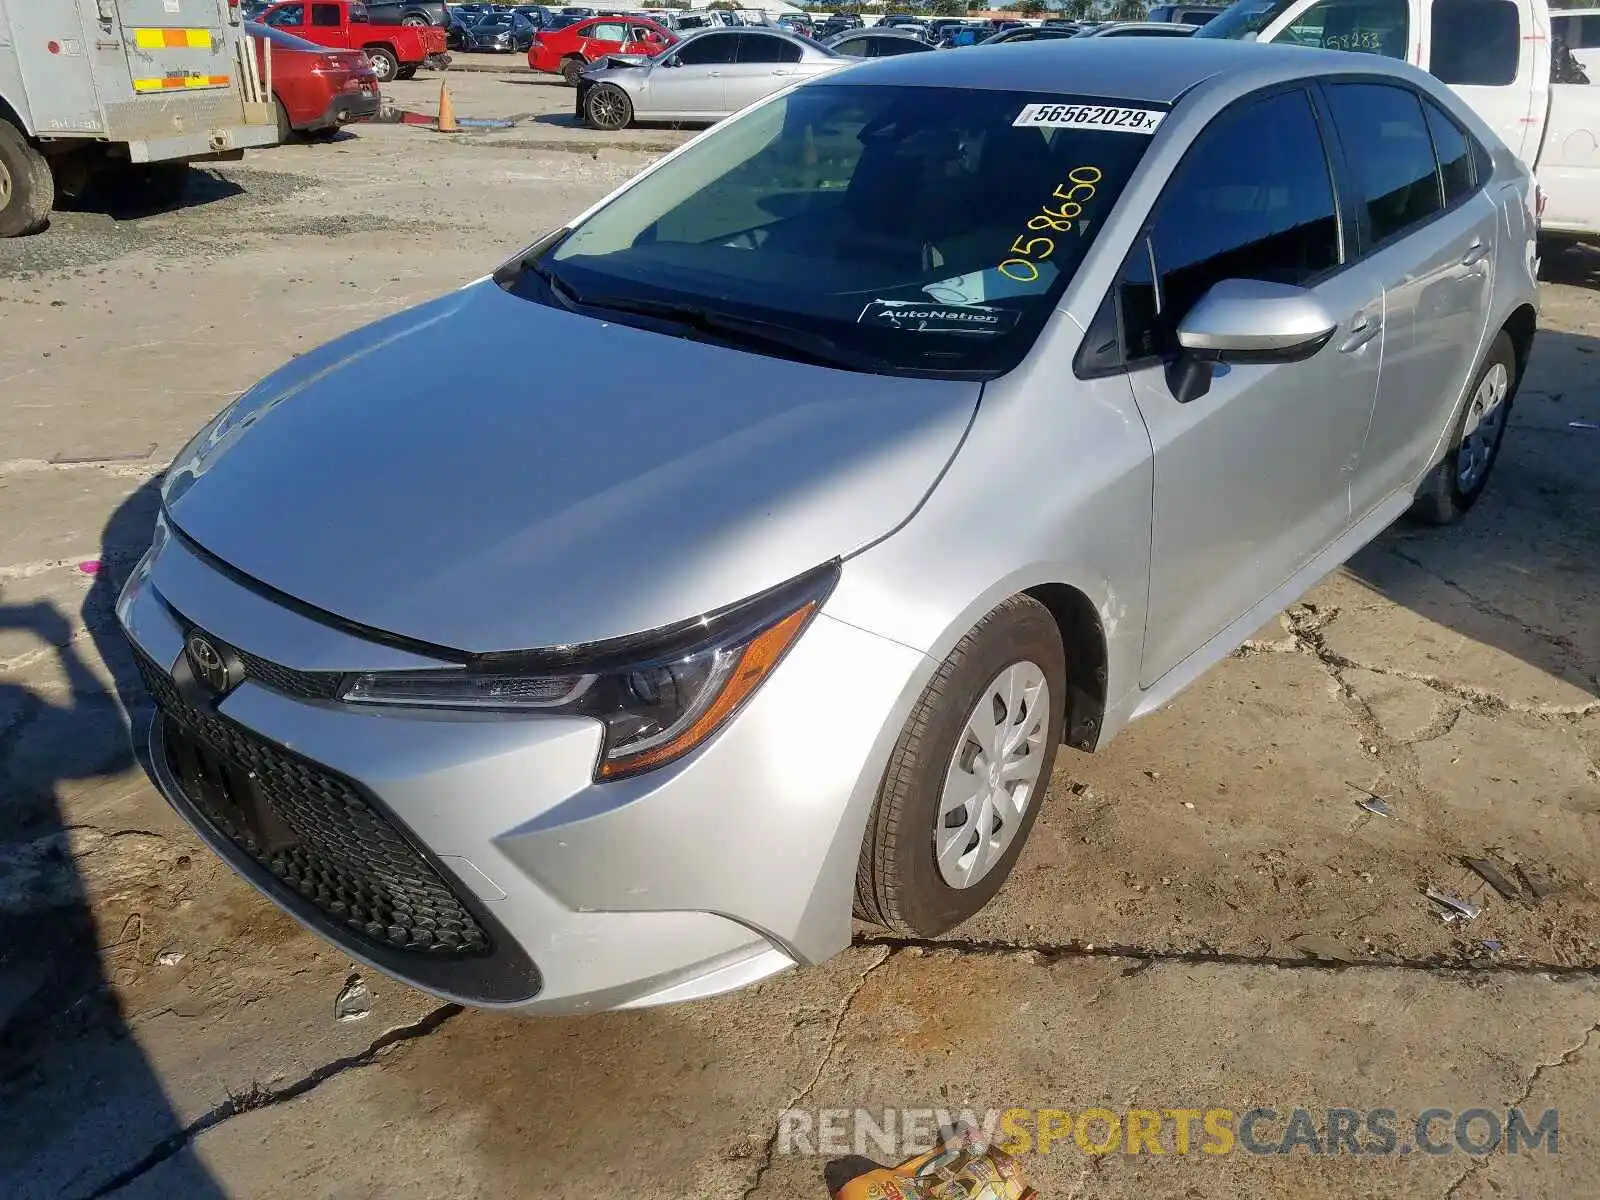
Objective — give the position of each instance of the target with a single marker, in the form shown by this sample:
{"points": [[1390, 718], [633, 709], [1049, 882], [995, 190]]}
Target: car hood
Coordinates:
{"points": [[486, 473]]}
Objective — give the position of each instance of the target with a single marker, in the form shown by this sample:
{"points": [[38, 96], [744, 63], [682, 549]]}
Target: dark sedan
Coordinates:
{"points": [[1028, 33], [500, 33], [876, 43]]}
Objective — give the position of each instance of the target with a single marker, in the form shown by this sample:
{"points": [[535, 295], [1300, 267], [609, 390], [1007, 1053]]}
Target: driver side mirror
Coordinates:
{"points": [[1247, 321], [672, 60]]}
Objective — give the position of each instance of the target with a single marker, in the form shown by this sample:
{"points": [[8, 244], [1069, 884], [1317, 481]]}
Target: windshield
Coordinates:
{"points": [[929, 229], [1245, 19]]}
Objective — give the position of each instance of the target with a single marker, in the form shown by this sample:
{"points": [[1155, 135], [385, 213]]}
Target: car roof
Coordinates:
{"points": [[1148, 70]]}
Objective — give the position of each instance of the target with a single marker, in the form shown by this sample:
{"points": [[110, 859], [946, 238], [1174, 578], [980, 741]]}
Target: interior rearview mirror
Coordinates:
{"points": [[1247, 321]]}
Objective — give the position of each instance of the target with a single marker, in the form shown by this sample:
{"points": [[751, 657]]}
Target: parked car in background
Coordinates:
{"points": [[1028, 33], [956, 37], [798, 25], [1183, 14], [848, 492], [500, 33], [876, 42], [1140, 29], [395, 51], [569, 50], [408, 12], [704, 77], [1499, 57], [317, 90]]}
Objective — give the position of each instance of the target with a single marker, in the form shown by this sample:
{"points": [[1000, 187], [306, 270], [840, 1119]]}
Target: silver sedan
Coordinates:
{"points": [[705, 77], [862, 452]]}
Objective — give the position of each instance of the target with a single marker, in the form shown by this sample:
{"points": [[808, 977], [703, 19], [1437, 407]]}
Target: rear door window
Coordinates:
{"points": [[1475, 42], [1452, 146], [1386, 139], [1252, 199], [325, 16], [764, 48]]}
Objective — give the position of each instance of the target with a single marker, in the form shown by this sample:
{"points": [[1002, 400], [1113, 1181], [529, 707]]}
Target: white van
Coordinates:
{"points": [[1497, 54]]}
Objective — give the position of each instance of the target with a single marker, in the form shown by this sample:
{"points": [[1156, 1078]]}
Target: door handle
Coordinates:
{"points": [[1363, 330], [1475, 254]]}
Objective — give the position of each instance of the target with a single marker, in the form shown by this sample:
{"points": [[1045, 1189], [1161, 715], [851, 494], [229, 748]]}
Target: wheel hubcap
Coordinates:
{"points": [[5, 187], [1486, 416], [607, 109], [993, 775]]}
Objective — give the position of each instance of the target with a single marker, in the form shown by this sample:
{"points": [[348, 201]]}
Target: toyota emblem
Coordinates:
{"points": [[209, 666]]}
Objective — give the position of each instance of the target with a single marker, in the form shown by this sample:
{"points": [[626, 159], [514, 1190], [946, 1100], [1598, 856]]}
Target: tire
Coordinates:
{"points": [[409, 71], [384, 64], [1453, 487], [27, 188], [414, 20], [900, 883], [285, 126], [608, 108], [571, 68]]}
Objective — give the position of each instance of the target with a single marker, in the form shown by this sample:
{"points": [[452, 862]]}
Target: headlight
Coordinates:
{"points": [[658, 695]]}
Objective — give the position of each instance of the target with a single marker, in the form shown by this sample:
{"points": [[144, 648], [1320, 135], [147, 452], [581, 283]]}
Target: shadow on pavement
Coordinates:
{"points": [[168, 188], [1518, 573], [54, 985]]}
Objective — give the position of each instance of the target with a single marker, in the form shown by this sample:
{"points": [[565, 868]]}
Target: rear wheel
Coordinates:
{"points": [[967, 776], [572, 70], [285, 126], [413, 20], [27, 189], [384, 64], [1456, 483], [607, 107]]}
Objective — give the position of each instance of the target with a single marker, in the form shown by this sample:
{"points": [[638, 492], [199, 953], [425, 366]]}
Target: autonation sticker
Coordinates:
{"points": [[1091, 116]]}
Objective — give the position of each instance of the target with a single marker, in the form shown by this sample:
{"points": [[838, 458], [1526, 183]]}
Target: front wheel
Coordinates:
{"points": [[1453, 487], [384, 64], [607, 107], [966, 779]]}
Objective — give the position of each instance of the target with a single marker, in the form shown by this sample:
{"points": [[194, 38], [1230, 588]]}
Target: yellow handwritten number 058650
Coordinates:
{"points": [[1031, 251]]}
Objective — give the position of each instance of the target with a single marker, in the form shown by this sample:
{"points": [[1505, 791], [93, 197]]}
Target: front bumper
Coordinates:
{"points": [[730, 865]]}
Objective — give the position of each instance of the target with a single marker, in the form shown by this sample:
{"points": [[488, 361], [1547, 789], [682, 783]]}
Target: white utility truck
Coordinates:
{"points": [[135, 88]]}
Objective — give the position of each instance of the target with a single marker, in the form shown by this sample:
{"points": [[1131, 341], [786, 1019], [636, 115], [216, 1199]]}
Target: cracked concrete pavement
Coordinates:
{"points": [[1204, 916]]}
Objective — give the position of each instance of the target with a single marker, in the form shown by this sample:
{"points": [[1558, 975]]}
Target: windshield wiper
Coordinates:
{"points": [[564, 294], [749, 332]]}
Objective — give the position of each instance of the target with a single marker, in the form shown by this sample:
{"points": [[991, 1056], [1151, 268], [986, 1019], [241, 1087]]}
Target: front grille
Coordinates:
{"points": [[317, 833], [308, 685]]}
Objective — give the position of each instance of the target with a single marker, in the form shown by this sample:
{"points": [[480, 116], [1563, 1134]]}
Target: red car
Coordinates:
{"points": [[395, 51], [566, 52], [317, 89]]}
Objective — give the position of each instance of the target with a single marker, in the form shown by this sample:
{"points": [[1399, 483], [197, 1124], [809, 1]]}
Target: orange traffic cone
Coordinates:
{"points": [[447, 112]]}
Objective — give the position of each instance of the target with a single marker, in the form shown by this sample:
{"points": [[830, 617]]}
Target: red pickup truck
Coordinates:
{"points": [[395, 51]]}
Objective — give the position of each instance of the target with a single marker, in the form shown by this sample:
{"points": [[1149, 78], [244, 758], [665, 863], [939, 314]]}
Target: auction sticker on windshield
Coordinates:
{"points": [[922, 317], [1091, 116]]}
